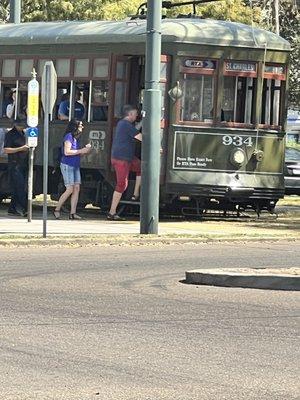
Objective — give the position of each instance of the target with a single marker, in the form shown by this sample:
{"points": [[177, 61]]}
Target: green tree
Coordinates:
{"points": [[226, 10], [51, 10], [289, 27]]}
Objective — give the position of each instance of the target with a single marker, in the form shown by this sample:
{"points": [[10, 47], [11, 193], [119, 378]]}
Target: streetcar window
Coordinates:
{"points": [[73, 101], [273, 89], [198, 98], [271, 99], [42, 63], [63, 67], [63, 95], [100, 69], [14, 100], [81, 67], [89, 100], [121, 70], [26, 67], [238, 103], [120, 98], [163, 70], [22, 99], [163, 86], [8, 98], [81, 99], [9, 68], [99, 101]]}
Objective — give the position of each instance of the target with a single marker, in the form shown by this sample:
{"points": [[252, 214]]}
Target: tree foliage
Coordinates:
{"points": [[50, 10], [226, 10], [53, 10], [289, 27]]}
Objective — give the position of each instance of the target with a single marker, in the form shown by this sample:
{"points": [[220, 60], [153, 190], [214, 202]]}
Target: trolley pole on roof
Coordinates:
{"points": [[151, 122], [15, 11]]}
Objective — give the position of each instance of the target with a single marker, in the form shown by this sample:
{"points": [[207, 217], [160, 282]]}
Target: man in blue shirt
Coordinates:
{"points": [[64, 108], [123, 159]]}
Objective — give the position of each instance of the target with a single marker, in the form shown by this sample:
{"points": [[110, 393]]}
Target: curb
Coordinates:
{"points": [[129, 240], [262, 278]]}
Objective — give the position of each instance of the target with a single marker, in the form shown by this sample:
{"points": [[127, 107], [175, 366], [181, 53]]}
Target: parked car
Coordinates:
{"points": [[292, 170]]}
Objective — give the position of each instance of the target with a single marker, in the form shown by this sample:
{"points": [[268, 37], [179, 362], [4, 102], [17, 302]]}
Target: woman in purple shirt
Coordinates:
{"points": [[70, 167]]}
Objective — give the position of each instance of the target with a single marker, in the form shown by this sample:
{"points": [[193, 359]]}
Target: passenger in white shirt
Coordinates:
{"points": [[10, 109]]}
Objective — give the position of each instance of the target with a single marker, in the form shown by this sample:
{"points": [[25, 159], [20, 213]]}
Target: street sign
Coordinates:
{"points": [[32, 141], [33, 101], [32, 132], [52, 88], [32, 136]]}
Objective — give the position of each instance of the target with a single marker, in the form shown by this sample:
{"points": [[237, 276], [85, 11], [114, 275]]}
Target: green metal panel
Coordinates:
{"points": [[94, 133], [199, 156]]}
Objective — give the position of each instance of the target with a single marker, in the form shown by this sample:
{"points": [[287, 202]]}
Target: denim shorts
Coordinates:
{"points": [[70, 174]]}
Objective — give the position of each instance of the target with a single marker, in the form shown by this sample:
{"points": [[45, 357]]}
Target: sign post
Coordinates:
{"points": [[151, 122], [49, 93], [32, 133], [32, 141]]}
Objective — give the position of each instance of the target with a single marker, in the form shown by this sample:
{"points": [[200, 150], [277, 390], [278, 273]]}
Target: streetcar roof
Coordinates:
{"points": [[195, 31]]}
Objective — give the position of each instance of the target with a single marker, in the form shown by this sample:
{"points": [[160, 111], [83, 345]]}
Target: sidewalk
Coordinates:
{"points": [[95, 224]]}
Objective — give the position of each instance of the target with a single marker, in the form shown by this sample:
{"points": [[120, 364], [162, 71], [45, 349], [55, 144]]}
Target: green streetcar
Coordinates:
{"points": [[223, 88]]}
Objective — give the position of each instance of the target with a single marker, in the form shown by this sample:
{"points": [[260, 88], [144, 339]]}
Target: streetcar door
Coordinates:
{"points": [[127, 84], [119, 96]]}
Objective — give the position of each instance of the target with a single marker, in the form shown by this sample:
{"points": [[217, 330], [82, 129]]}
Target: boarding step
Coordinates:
{"points": [[133, 203]]}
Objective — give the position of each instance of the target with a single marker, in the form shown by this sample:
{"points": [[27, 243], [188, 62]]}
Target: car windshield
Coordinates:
{"points": [[292, 154]]}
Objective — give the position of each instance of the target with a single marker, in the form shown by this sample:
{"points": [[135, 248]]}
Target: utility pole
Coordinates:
{"points": [[15, 11], [151, 122], [276, 12]]}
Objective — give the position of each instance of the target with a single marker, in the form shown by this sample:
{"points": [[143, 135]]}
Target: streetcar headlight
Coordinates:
{"points": [[238, 157]]}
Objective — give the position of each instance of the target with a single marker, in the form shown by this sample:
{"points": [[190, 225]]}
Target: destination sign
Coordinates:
{"points": [[273, 69], [204, 64], [240, 66]]}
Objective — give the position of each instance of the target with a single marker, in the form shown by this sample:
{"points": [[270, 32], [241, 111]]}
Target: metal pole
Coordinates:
{"points": [[46, 143], [151, 122], [30, 184], [276, 12], [15, 11]]}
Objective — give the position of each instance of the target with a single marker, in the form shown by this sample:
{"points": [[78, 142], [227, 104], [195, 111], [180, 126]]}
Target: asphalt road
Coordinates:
{"points": [[116, 323]]}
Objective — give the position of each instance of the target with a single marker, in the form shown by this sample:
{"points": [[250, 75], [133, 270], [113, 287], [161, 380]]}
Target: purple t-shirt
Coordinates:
{"points": [[73, 161], [123, 143]]}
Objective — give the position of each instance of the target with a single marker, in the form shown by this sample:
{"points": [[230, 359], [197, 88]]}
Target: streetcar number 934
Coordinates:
{"points": [[237, 140]]}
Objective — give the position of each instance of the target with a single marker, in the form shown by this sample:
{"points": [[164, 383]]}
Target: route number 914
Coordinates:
{"points": [[237, 140]]}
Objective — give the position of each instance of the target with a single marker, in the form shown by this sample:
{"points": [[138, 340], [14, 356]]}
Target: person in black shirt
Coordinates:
{"points": [[17, 150]]}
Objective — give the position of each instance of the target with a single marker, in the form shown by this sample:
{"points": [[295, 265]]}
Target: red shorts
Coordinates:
{"points": [[122, 168]]}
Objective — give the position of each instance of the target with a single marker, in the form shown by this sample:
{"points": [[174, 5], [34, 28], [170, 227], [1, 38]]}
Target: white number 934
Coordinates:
{"points": [[237, 140]]}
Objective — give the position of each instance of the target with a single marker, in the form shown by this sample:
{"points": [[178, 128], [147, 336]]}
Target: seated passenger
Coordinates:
{"points": [[7, 100], [10, 108], [64, 108]]}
